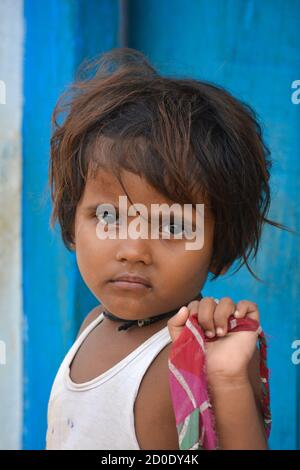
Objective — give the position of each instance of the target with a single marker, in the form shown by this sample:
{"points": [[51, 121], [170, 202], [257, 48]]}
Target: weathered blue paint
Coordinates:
{"points": [[252, 48], [59, 34]]}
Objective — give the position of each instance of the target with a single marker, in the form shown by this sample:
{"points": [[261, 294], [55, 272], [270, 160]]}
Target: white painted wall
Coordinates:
{"points": [[11, 53]]}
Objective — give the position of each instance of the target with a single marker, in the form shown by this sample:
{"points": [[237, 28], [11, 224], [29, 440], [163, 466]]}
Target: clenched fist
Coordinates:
{"points": [[228, 357]]}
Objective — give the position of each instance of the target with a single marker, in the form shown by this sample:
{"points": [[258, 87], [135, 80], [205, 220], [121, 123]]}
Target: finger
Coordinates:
{"points": [[177, 322], [206, 309], [180, 318], [193, 306], [224, 309], [247, 308]]}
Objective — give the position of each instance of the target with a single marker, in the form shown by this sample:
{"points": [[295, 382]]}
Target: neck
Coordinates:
{"points": [[127, 323]]}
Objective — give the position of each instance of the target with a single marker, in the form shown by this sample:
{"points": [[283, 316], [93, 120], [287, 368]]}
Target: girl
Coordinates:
{"points": [[127, 131]]}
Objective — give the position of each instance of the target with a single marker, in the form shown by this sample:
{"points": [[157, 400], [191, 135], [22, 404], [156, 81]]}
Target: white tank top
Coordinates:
{"points": [[99, 414]]}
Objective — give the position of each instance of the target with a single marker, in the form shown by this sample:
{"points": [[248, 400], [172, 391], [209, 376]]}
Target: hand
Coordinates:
{"points": [[228, 357]]}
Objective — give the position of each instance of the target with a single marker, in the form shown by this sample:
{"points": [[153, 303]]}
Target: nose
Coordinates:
{"points": [[134, 251]]}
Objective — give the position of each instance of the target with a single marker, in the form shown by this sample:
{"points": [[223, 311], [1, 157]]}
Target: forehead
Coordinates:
{"points": [[106, 185]]}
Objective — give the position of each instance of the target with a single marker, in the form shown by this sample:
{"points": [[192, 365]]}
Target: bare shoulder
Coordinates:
{"points": [[91, 316], [155, 423]]}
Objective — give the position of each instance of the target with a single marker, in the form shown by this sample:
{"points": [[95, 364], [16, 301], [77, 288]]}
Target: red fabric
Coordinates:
{"points": [[188, 383]]}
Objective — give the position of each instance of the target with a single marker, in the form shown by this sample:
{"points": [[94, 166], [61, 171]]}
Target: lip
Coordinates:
{"points": [[131, 281], [136, 286]]}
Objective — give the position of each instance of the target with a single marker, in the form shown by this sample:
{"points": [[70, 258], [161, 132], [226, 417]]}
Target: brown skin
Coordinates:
{"points": [[177, 276], [232, 370]]}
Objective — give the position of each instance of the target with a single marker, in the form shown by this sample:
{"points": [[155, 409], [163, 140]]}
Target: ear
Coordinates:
{"points": [[72, 246]]}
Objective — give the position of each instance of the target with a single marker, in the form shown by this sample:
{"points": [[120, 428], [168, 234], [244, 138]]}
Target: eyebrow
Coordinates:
{"points": [[94, 206], [103, 188]]}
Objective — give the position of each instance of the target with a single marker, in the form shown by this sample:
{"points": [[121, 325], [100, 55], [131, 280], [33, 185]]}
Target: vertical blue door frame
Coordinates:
{"points": [[59, 34]]}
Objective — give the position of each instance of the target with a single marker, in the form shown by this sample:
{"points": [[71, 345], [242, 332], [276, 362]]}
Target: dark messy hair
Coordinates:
{"points": [[186, 137]]}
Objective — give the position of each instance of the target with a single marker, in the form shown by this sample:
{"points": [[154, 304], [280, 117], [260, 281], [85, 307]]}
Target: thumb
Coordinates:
{"points": [[177, 322]]}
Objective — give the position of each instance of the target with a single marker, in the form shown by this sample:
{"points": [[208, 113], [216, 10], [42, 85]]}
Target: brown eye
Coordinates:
{"points": [[106, 217], [177, 229], [174, 229]]}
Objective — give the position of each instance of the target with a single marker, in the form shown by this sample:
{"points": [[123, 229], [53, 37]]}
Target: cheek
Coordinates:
{"points": [[90, 252], [192, 266]]}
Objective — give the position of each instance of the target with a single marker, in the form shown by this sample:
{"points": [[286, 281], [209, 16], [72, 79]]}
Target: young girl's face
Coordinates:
{"points": [[175, 274]]}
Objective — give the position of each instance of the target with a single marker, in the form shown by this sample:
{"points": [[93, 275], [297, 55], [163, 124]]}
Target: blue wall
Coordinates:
{"points": [[250, 47]]}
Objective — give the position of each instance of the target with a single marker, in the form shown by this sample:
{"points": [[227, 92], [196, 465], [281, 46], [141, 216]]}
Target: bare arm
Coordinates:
{"points": [[238, 413]]}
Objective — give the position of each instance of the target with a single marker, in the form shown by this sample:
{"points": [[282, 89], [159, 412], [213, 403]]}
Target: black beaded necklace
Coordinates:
{"points": [[145, 321]]}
